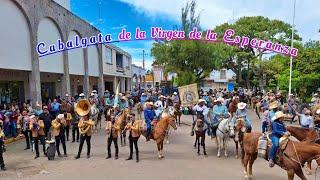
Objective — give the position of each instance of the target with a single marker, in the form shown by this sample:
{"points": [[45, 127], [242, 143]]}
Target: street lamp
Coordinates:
{"points": [[292, 30]]}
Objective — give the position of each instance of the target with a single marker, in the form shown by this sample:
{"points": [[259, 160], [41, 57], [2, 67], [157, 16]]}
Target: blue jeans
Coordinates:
{"points": [[148, 128], [274, 148], [14, 129], [264, 126]]}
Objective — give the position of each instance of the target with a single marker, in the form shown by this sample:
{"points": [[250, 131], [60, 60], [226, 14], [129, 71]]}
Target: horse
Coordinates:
{"points": [[94, 112], [177, 112], [304, 134], [233, 106], [121, 120], [224, 131], [295, 154], [159, 129], [100, 107], [239, 130], [139, 110], [200, 131]]}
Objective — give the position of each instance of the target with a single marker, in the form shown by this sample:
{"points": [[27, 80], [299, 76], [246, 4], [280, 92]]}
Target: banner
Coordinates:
{"points": [[188, 94], [116, 98]]}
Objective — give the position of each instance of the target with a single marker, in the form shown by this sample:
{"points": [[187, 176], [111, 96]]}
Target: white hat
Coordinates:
{"points": [[175, 93], [161, 96], [32, 116], [318, 111], [60, 116], [241, 105], [205, 93], [201, 100], [94, 91], [220, 99], [149, 103], [81, 94], [143, 94], [92, 94], [315, 94], [278, 115]]}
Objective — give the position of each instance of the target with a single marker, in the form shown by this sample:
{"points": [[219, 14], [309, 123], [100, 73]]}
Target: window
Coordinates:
{"points": [[126, 62], [119, 60], [108, 55], [223, 74]]}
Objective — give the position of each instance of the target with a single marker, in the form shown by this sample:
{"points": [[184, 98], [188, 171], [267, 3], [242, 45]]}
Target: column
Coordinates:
{"points": [[101, 87], [128, 81], [65, 79], [122, 84], [86, 86], [34, 75]]}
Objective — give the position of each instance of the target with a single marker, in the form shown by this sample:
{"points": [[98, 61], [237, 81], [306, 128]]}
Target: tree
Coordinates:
{"points": [[192, 61]]}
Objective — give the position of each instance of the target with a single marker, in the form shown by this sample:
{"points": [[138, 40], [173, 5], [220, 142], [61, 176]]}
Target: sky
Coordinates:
{"points": [[110, 16]]}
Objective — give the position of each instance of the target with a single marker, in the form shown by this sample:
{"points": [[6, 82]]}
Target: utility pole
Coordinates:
{"points": [[291, 58], [143, 54]]}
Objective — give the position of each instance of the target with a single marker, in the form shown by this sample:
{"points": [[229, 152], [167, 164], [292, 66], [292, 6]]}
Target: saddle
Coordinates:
{"points": [[283, 142]]}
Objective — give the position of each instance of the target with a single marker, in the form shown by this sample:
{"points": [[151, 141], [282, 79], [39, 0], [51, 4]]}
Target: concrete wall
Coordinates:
{"points": [[76, 57], [15, 47], [93, 60], [64, 3]]}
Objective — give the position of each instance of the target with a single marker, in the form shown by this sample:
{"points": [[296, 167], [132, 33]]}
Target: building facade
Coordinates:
{"points": [[24, 75], [218, 79], [138, 77]]}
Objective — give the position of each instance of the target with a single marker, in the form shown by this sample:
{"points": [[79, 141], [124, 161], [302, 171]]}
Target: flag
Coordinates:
{"points": [[116, 98], [188, 94]]}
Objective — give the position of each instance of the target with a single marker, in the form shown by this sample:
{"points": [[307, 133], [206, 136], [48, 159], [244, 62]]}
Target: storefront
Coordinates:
{"points": [[11, 91]]}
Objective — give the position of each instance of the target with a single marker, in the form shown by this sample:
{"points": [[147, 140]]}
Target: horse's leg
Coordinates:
{"points": [[237, 148], [308, 168], [251, 161], [179, 119], [218, 145], [159, 150], [300, 174], [245, 161], [203, 139], [290, 174], [124, 137], [195, 143], [162, 156], [198, 145], [225, 144]]}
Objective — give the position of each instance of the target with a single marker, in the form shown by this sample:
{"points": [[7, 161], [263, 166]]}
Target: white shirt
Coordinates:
{"points": [[204, 109]]}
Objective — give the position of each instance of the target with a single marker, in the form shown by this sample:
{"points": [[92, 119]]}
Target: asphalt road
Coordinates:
{"points": [[181, 161]]}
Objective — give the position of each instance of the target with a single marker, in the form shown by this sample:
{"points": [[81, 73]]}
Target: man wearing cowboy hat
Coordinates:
{"points": [[242, 113], [58, 126], [219, 110], [149, 116], [315, 99], [160, 102], [123, 103], [273, 108], [278, 130], [306, 120], [202, 111]]}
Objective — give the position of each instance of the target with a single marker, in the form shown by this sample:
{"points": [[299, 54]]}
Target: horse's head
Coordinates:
{"points": [[239, 128], [168, 114], [227, 127], [199, 124]]}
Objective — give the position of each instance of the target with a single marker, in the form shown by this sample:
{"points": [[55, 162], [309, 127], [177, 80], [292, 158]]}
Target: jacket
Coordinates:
{"points": [[56, 126], [69, 119], [112, 129], [83, 124], [278, 128], [37, 128], [149, 115], [134, 128]]}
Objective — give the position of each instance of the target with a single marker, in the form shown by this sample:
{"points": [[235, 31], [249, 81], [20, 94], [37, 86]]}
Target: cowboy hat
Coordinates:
{"points": [[143, 94], [106, 91], [205, 93], [94, 91], [92, 94], [220, 99], [60, 116], [83, 107], [201, 100], [81, 95], [278, 115], [273, 105], [161, 96], [241, 105], [37, 104], [315, 94], [32, 116], [149, 103], [67, 95], [318, 111], [175, 93]]}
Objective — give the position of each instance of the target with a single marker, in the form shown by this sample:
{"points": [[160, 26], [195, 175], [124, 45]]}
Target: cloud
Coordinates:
{"points": [[215, 12], [119, 27]]}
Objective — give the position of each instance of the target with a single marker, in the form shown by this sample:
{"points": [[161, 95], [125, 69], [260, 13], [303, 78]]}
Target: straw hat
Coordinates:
{"points": [[201, 100], [81, 95], [278, 115], [60, 116], [83, 107], [241, 105], [273, 105]]}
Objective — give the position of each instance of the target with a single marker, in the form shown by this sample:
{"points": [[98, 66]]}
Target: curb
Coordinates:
{"points": [[11, 140]]}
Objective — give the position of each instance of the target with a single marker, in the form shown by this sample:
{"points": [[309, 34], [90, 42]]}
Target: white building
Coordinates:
{"points": [[138, 76], [218, 79], [24, 75]]}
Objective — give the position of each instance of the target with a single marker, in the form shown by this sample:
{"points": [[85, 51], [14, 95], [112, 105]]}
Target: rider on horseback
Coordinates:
{"points": [[149, 116], [200, 109], [278, 130], [219, 111], [242, 113]]}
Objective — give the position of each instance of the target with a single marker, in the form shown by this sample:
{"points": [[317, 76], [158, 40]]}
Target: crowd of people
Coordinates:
{"points": [[55, 119]]}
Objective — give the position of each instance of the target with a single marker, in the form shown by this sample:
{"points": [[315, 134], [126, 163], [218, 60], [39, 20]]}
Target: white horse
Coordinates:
{"points": [[224, 131], [168, 133]]}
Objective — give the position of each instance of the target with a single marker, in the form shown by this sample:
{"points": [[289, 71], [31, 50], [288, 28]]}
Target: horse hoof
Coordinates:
{"points": [[246, 177], [218, 155], [226, 155], [237, 156], [167, 142]]}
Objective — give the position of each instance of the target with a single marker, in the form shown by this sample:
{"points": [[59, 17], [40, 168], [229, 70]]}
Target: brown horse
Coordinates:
{"points": [[159, 130], [200, 131], [304, 134], [139, 109], [295, 154], [121, 120], [177, 113], [239, 130], [233, 106]]}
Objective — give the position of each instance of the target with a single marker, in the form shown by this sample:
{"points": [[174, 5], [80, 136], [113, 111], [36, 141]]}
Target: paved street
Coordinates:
{"points": [[181, 162]]}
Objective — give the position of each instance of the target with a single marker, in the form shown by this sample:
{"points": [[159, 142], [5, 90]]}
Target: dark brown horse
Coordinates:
{"points": [[295, 154], [177, 112], [233, 106], [200, 131], [304, 134]]}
